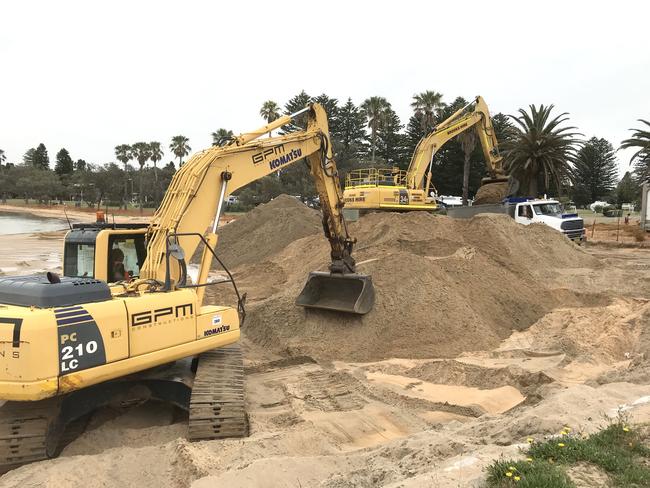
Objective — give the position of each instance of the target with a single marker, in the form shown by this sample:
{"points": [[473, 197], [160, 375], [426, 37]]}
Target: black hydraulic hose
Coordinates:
{"points": [[240, 300]]}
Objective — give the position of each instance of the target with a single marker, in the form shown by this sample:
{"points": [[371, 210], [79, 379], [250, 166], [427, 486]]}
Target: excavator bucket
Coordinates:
{"points": [[494, 190], [351, 293]]}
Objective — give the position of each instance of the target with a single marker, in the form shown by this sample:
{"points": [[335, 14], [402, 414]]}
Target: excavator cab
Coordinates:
{"points": [[350, 293], [107, 252]]}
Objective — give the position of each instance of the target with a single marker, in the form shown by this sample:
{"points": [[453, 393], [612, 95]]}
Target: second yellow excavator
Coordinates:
{"points": [[397, 190]]}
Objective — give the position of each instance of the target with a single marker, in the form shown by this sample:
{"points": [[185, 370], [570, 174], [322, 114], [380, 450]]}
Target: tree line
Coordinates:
{"points": [[540, 148]]}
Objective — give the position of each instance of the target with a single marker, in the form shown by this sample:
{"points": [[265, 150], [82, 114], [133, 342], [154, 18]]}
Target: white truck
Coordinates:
{"points": [[529, 211]]}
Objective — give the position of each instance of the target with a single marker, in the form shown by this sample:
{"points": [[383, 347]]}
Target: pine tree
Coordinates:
{"points": [[28, 157], [349, 138], [627, 190], [41, 160], [350, 130], [331, 106], [504, 130], [391, 144], [596, 171], [80, 165], [64, 164], [295, 104], [414, 133]]}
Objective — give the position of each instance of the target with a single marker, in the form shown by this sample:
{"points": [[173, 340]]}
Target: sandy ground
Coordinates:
{"points": [[613, 233], [406, 421]]}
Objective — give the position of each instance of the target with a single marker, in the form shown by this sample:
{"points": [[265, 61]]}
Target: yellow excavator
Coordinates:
{"points": [[393, 189], [124, 324]]}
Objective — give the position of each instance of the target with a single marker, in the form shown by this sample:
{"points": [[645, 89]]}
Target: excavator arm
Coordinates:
{"points": [[475, 114], [194, 202]]}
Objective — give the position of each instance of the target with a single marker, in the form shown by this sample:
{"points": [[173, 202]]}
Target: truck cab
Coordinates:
{"points": [[549, 212]]}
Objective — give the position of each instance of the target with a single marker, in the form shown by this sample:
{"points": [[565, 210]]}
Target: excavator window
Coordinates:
{"points": [[125, 257], [79, 260]]}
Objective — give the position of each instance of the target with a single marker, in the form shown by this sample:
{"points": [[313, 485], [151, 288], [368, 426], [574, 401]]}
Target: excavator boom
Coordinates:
{"points": [[194, 199]]}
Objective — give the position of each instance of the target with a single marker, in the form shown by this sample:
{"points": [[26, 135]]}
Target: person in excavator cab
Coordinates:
{"points": [[117, 266]]}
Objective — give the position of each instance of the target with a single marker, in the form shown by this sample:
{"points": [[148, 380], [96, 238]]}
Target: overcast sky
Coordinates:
{"points": [[90, 75]]}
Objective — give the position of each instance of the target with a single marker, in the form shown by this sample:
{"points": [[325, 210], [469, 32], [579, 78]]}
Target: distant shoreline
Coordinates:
{"points": [[74, 214]]}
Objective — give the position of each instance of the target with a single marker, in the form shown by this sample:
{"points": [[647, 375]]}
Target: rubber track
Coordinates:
{"points": [[217, 407], [24, 430]]}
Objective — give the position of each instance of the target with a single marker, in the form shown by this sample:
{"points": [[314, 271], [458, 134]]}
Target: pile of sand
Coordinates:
{"points": [[266, 230], [443, 285]]}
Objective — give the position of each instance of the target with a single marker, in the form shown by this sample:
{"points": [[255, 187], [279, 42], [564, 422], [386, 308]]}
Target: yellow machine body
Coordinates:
{"points": [[386, 189], [63, 349]]}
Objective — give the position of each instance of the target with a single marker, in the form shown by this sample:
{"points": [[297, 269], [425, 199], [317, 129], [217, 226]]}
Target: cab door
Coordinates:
{"points": [[119, 254], [524, 214]]}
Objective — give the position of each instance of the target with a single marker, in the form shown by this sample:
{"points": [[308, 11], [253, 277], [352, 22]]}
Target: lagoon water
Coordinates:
{"points": [[16, 223]]}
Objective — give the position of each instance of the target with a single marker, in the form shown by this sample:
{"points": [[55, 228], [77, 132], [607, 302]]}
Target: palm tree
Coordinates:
{"points": [[426, 106], [640, 140], [142, 153], [156, 155], [270, 111], [375, 109], [467, 141], [180, 148], [540, 147], [123, 155], [221, 137]]}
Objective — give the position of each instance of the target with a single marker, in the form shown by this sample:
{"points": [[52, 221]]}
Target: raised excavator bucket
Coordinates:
{"points": [[351, 293], [494, 190]]}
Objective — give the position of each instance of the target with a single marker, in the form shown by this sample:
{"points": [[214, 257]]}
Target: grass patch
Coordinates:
{"points": [[618, 450]]}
